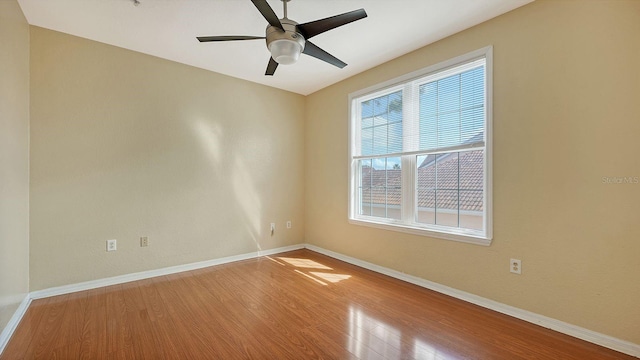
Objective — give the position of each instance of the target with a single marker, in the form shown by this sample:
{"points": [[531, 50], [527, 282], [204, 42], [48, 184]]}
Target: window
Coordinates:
{"points": [[420, 151]]}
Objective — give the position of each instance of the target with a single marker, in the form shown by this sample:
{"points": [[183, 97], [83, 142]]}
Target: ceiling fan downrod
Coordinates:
{"points": [[284, 4]]}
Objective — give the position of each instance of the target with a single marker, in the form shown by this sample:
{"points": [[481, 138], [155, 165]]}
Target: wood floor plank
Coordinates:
{"points": [[46, 332], [29, 327], [282, 323], [119, 336], [192, 328], [139, 322], [245, 313], [295, 305], [272, 298], [93, 343]]}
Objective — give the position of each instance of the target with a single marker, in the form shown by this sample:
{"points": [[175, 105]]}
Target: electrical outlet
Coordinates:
{"points": [[289, 224], [515, 266], [144, 241], [273, 228], [111, 245]]}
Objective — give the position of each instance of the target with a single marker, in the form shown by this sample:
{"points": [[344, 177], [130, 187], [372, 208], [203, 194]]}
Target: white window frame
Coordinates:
{"points": [[406, 224]]}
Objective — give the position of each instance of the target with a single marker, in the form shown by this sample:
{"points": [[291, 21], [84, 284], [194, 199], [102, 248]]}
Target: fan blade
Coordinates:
{"points": [[271, 68], [313, 50], [227, 38], [313, 28], [268, 13]]}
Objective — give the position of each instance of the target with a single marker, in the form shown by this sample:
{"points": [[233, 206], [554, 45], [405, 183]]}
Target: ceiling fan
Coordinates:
{"points": [[286, 39]]}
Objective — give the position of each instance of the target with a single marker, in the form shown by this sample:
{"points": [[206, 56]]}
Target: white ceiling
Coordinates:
{"points": [[168, 29]]}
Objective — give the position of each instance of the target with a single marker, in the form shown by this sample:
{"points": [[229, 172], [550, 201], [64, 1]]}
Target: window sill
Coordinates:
{"points": [[454, 236]]}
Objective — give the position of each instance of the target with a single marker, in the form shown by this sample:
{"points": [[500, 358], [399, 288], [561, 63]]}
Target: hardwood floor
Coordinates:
{"points": [[296, 305]]}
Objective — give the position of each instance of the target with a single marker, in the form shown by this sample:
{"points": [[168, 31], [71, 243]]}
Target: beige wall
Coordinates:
{"points": [[566, 114], [14, 159], [125, 145]]}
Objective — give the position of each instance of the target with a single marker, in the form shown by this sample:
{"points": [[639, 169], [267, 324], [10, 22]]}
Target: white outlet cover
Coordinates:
{"points": [[515, 266], [111, 245]]}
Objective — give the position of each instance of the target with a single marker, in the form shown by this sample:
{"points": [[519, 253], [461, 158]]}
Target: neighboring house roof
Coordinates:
{"points": [[383, 186], [437, 185], [477, 138]]}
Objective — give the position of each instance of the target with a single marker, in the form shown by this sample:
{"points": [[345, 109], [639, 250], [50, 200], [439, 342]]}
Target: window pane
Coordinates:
{"points": [[472, 125], [429, 99], [380, 136], [428, 132], [367, 123], [471, 190], [367, 141], [447, 171], [380, 107], [450, 189], [449, 94], [471, 215], [378, 201], [426, 185], [395, 107], [447, 207], [395, 137], [381, 125], [452, 110], [448, 129], [472, 88], [447, 189], [364, 205], [472, 171], [394, 188], [426, 206], [381, 187], [367, 111]]}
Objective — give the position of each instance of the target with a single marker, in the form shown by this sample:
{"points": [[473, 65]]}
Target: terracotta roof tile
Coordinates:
{"points": [[384, 186]]}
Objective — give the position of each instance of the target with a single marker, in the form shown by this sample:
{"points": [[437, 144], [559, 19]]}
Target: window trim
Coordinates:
{"points": [[434, 231]]}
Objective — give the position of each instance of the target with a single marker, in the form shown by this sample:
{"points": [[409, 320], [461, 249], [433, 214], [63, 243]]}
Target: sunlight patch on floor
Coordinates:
{"points": [[333, 278], [304, 263], [311, 277], [275, 261]]}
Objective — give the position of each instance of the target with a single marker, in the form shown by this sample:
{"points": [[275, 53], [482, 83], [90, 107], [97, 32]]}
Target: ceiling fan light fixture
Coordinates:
{"points": [[285, 51], [286, 39]]}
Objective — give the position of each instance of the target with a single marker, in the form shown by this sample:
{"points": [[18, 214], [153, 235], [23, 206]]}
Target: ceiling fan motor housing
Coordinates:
{"points": [[285, 46]]}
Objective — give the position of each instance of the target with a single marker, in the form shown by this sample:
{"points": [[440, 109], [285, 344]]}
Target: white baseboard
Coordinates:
{"points": [[557, 325], [13, 322], [121, 279], [607, 341], [87, 285]]}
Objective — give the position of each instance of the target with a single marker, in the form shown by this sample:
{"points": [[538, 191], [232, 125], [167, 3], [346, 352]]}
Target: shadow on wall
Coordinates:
{"points": [[245, 191]]}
